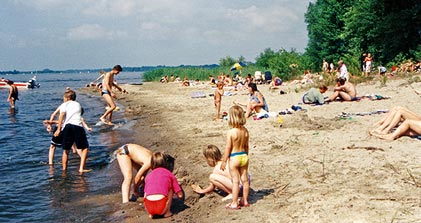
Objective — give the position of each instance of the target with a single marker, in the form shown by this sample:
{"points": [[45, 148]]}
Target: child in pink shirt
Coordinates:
{"points": [[160, 185]]}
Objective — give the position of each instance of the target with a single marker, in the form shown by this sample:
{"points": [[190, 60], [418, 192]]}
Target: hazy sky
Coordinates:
{"points": [[68, 34]]}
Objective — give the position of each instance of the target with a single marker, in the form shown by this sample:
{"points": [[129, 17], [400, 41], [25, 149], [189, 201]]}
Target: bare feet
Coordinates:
{"points": [[103, 120], [244, 204], [232, 207], [85, 171], [372, 132], [196, 188], [228, 197], [383, 136], [167, 215]]}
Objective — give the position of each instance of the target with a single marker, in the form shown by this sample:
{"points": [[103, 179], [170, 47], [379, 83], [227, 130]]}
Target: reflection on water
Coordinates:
{"points": [[12, 115]]}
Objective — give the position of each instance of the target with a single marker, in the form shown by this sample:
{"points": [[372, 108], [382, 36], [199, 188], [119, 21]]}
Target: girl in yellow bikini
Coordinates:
{"points": [[236, 151]]}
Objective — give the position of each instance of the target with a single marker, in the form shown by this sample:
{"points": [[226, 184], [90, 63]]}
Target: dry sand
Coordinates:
{"points": [[315, 168]]}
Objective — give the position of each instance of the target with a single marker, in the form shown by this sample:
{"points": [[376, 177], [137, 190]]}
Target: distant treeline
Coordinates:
{"points": [[337, 30], [125, 69]]}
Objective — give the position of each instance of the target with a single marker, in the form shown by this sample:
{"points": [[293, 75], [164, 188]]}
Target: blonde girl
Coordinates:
{"points": [[218, 178], [236, 150]]}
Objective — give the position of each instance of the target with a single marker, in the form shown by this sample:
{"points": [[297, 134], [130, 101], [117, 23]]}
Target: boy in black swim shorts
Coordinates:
{"points": [[73, 131]]}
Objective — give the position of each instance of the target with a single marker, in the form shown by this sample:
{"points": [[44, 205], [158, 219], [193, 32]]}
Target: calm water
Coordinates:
{"points": [[32, 191]]}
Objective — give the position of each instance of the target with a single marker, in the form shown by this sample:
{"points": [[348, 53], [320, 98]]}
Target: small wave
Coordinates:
{"points": [[112, 157]]}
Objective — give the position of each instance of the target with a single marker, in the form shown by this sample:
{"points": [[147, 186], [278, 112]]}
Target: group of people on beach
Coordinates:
{"points": [[153, 179], [69, 129], [157, 185]]}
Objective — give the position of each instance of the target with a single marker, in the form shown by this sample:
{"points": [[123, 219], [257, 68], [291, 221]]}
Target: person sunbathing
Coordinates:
{"points": [[392, 120], [409, 127]]}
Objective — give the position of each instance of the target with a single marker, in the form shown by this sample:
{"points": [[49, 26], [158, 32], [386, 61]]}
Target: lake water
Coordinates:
{"points": [[31, 190]]}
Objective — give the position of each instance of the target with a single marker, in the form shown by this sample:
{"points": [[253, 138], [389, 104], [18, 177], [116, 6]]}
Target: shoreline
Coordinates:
{"points": [[315, 168]]}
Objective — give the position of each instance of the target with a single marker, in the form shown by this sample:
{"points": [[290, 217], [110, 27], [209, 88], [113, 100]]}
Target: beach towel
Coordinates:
{"points": [[198, 94], [349, 114], [375, 97]]}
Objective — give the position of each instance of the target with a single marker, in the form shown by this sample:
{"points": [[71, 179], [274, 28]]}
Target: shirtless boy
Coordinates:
{"points": [[107, 93], [344, 90]]}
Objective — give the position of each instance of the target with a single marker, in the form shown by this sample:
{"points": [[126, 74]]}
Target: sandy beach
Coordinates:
{"points": [[316, 167]]}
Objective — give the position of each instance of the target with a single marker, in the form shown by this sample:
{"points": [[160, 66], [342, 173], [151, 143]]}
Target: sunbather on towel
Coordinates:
{"points": [[409, 127], [392, 119]]}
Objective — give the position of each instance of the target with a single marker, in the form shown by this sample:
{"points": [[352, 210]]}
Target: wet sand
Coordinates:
{"points": [[316, 167]]}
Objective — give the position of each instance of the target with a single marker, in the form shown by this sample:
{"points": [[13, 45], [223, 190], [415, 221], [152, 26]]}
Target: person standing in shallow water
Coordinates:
{"points": [[13, 94], [70, 123], [107, 93]]}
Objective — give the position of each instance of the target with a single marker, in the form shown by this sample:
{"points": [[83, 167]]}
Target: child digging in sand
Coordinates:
{"points": [[160, 186], [218, 178], [217, 98], [236, 150], [129, 157]]}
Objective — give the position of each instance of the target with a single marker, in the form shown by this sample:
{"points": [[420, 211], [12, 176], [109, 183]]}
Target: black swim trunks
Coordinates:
{"points": [[74, 134], [57, 140]]}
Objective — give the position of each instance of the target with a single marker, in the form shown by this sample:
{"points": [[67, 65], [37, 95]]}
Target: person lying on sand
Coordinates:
{"points": [[344, 90], [392, 119], [408, 127], [410, 124]]}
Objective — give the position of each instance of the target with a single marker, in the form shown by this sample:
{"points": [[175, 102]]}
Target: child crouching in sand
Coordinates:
{"points": [[236, 151], [160, 186], [218, 178]]}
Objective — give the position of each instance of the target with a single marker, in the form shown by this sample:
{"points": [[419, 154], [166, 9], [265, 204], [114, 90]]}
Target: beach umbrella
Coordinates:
{"points": [[238, 66]]}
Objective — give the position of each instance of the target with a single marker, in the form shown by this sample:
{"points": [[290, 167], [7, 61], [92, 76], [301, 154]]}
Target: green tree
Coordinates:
{"points": [[325, 25], [227, 61], [339, 29], [282, 63]]}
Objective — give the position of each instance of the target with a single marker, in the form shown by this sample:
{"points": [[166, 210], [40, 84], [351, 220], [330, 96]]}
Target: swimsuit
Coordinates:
{"points": [[155, 207], [241, 157], [105, 92], [124, 150], [14, 93], [74, 134], [256, 99]]}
